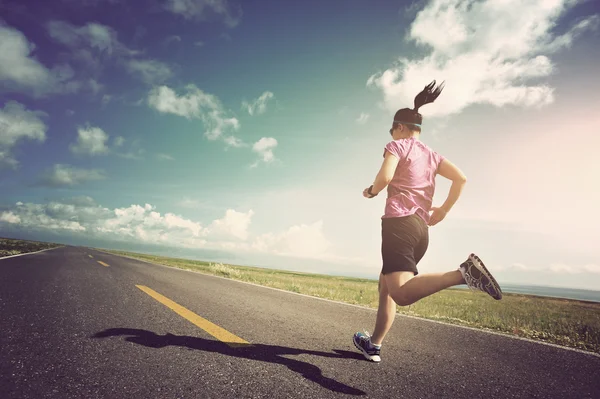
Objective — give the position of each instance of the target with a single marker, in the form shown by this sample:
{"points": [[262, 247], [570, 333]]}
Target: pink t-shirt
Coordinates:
{"points": [[412, 187]]}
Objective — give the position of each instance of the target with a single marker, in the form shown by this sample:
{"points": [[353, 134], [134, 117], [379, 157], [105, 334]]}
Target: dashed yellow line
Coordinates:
{"points": [[91, 256], [102, 263], [213, 329]]}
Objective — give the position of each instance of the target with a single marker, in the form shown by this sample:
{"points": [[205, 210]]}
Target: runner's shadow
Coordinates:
{"points": [[264, 353]]}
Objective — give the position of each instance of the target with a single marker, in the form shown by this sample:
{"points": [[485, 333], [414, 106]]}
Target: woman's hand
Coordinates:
{"points": [[366, 193], [437, 216]]}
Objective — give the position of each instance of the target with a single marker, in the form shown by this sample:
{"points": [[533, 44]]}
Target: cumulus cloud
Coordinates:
{"points": [[264, 147], [18, 124], [198, 9], [20, 71], [258, 106], [300, 241], [485, 52], [84, 217], [194, 104], [234, 224], [66, 175], [36, 217], [144, 224], [150, 71], [9, 217], [90, 141]]}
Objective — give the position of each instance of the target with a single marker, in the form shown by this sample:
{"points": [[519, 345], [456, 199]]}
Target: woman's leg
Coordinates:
{"points": [[386, 310], [405, 291]]}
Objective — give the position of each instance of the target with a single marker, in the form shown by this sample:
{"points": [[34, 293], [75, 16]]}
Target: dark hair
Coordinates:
{"points": [[411, 118]]}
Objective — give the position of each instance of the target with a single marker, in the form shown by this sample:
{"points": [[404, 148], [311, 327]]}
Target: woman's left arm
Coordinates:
{"points": [[384, 176]]}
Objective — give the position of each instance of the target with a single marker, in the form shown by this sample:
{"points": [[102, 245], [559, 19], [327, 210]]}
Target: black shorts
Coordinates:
{"points": [[404, 241]]}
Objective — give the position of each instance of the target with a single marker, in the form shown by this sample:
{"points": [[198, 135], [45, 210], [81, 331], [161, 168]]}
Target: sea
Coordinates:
{"points": [[553, 292]]}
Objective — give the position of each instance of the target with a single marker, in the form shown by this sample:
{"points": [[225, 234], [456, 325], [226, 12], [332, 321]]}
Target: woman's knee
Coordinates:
{"points": [[395, 287], [400, 297]]}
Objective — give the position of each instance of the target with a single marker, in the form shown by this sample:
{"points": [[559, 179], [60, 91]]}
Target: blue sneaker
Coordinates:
{"points": [[362, 341]]}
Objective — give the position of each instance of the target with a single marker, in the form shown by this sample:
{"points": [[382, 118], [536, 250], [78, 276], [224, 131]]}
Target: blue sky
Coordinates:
{"points": [[245, 132]]}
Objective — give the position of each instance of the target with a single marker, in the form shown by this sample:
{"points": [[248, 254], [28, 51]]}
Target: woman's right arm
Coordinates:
{"points": [[453, 173]]}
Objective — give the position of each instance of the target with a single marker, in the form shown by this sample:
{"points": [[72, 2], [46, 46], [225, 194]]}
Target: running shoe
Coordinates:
{"points": [[478, 277], [362, 341]]}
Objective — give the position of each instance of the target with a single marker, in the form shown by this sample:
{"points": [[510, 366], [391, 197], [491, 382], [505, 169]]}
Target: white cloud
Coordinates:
{"points": [[363, 118], [138, 223], [194, 104], [485, 51], [16, 124], [53, 216], [90, 141], [264, 147], [234, 224], [258, 106], [300, 241], [20, 70], [143, 224], [67, 175], [233, 141], [149, 71], [197, 9], [9, 217]]}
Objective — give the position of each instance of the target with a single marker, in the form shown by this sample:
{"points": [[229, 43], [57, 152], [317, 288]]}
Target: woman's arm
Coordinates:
{"points": [[386, 173]]}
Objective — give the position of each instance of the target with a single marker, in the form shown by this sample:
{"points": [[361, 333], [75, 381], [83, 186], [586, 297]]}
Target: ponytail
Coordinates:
{"points": [[427, 95]]}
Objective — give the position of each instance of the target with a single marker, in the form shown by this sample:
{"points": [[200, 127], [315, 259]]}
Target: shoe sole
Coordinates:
{"points": [[375, 359], [479, 264]]}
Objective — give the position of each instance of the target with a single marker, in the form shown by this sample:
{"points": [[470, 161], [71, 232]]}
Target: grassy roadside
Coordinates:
{"points": [[10, 246], [566, 322]]}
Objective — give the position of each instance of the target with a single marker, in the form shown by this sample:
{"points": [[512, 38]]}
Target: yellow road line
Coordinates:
{"points": [[102, 263], [213, 329], [90, 256]]}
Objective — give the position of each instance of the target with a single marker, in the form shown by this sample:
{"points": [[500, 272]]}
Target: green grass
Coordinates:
{"points": [[564, 322], [10, 246]]}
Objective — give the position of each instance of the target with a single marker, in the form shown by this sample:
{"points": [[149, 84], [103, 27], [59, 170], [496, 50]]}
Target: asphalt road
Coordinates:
{"points": [[71, 327]]}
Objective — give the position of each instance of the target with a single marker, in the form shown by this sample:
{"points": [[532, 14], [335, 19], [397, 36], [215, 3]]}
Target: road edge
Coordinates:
{"points": [[30, 253]]}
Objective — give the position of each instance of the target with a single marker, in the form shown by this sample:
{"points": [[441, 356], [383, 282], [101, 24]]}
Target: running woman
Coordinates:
{"points": [[408, 171]]}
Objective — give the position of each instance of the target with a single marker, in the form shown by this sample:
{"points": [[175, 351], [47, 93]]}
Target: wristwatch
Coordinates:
{"points": [[370, 193]]}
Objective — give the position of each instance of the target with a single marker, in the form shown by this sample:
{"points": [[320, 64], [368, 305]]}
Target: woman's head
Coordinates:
{"points": [[410, 120]]}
